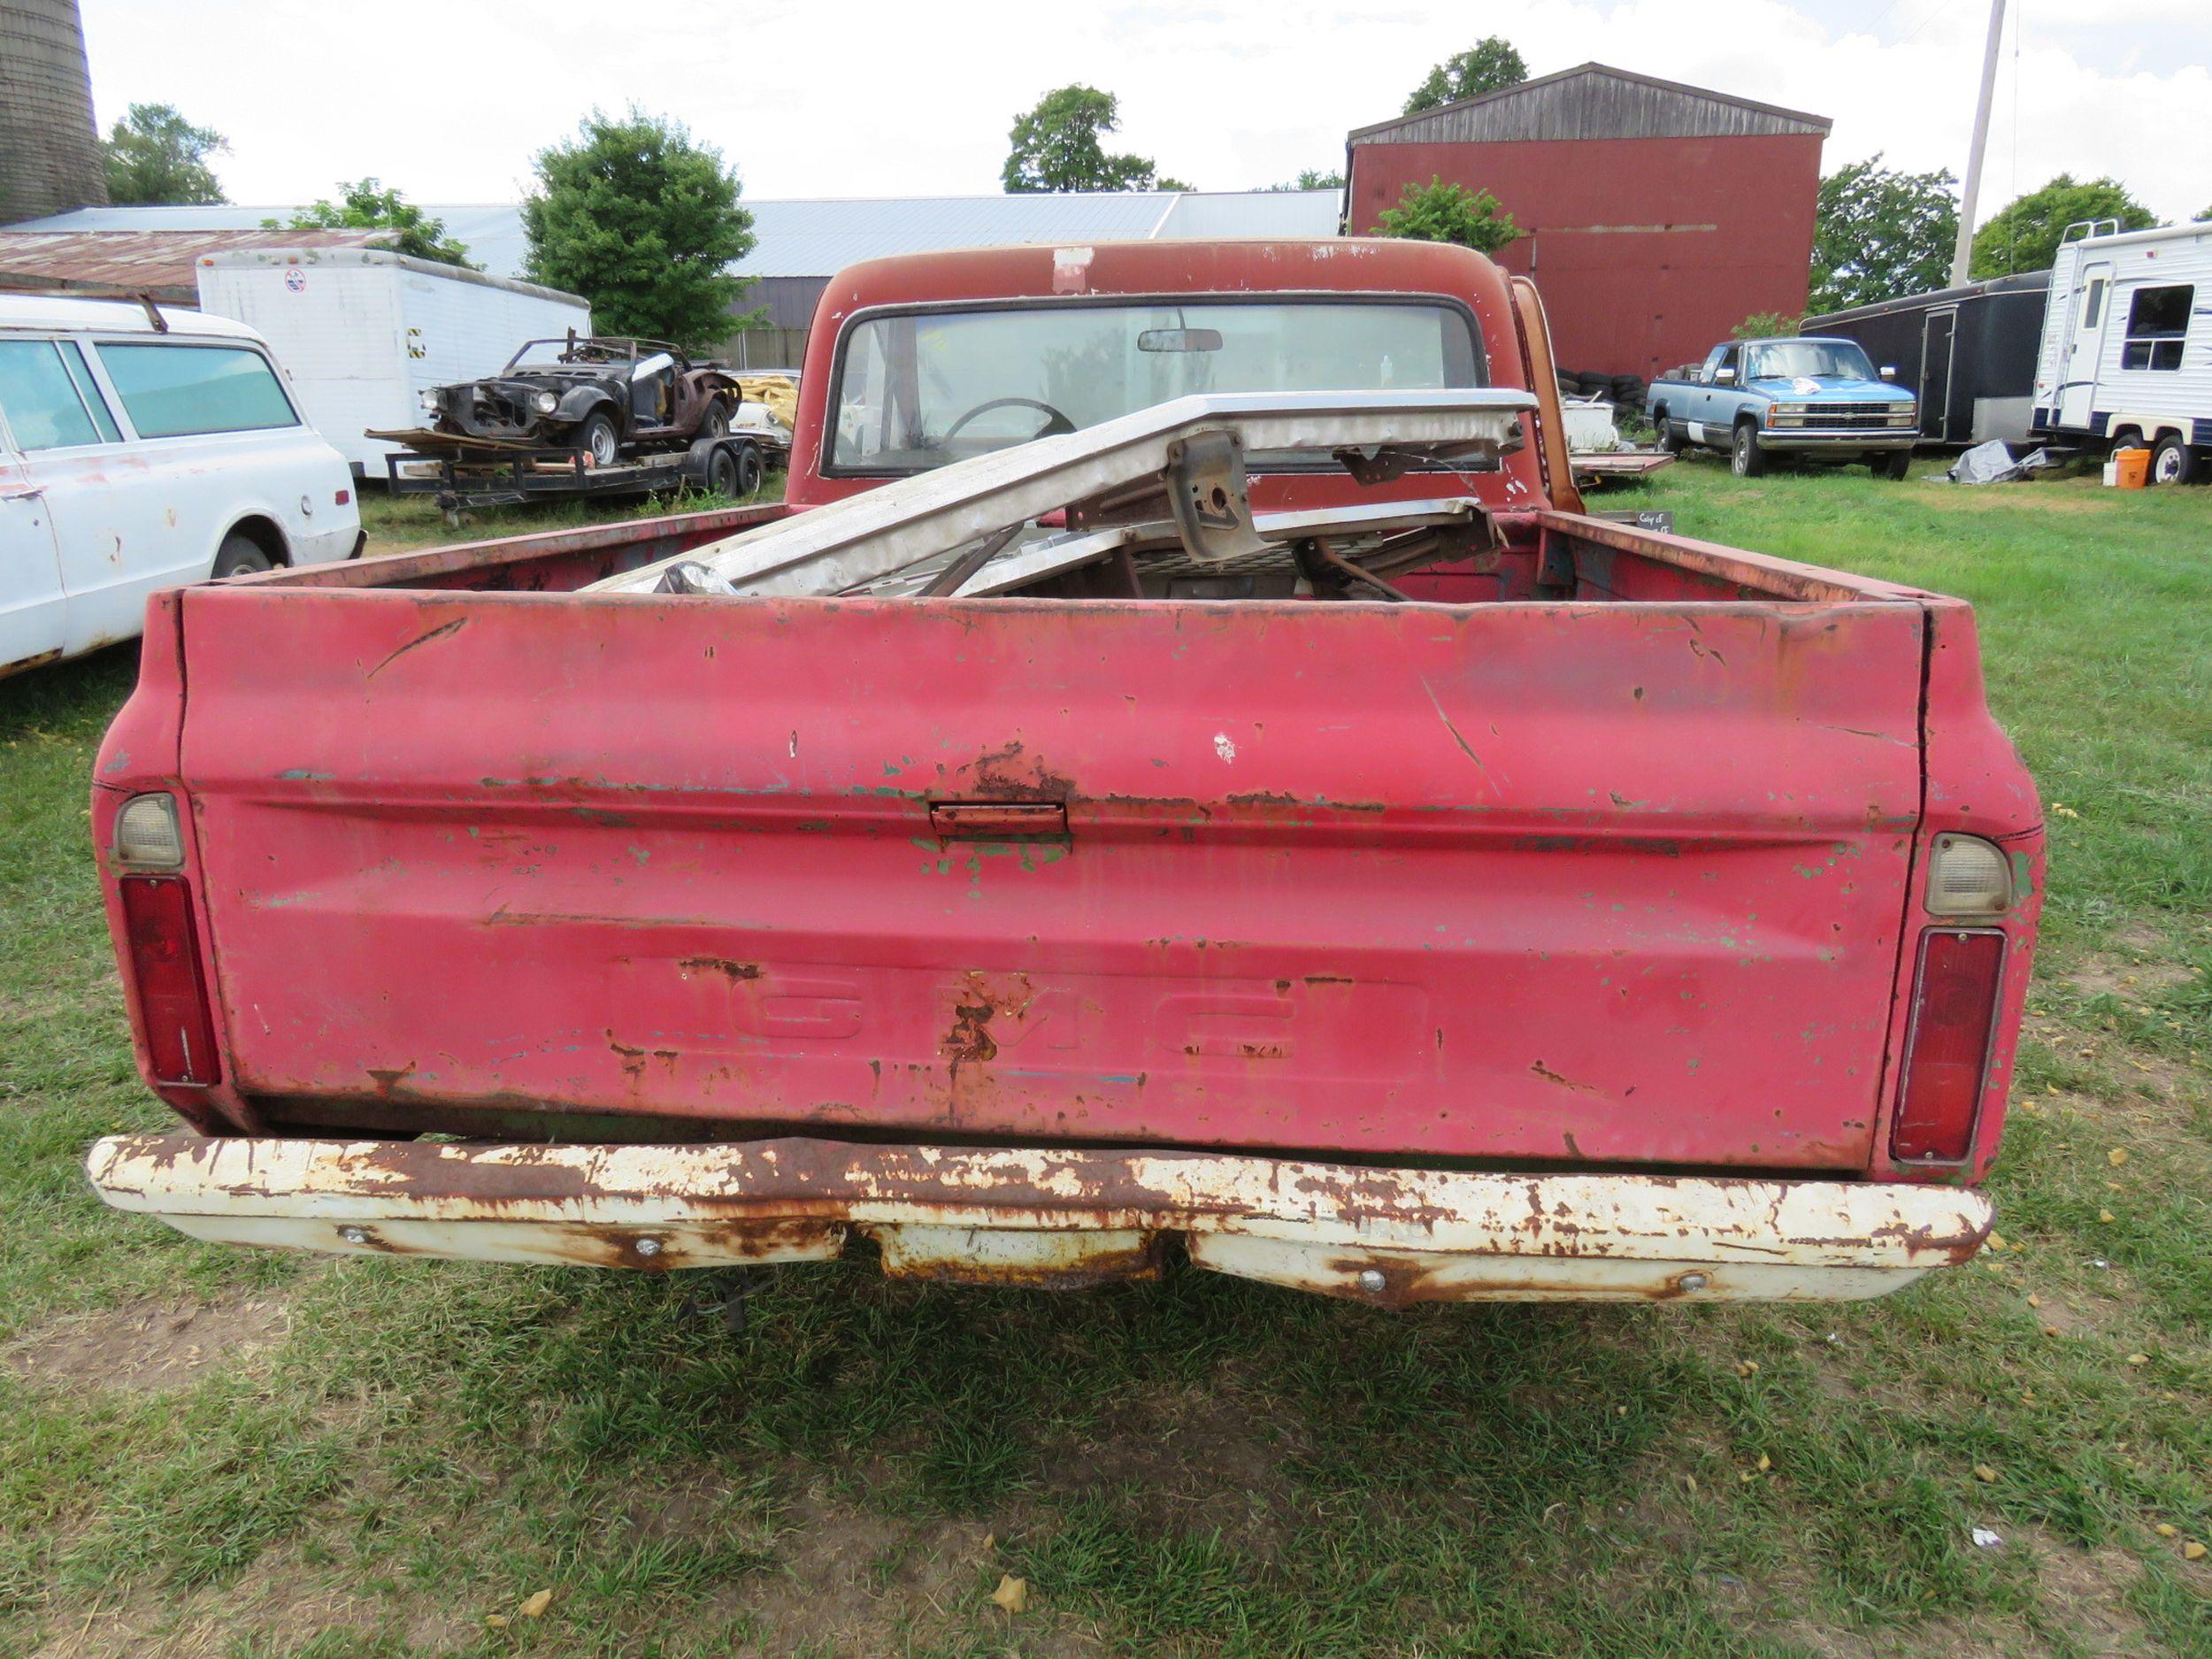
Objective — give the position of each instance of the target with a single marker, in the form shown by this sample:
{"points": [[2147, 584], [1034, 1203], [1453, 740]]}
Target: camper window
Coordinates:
{"points": [[2157, 320]]}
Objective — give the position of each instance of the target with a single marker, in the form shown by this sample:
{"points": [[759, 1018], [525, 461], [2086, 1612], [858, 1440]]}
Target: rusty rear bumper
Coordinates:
{"points": [[1033, 1215]]}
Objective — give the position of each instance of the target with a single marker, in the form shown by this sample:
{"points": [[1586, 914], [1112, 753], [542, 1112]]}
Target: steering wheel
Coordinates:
{"points": [[1055, 421]]}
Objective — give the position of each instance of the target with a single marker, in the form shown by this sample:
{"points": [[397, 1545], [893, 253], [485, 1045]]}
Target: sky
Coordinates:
{"points": [[448, 99]]}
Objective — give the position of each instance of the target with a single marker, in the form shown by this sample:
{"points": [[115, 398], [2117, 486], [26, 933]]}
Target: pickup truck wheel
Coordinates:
{"points": [[2173, 462], [1746, 459], [749, 470], [1895, 464], [598, 438], [1670, 440], [239, 556]]}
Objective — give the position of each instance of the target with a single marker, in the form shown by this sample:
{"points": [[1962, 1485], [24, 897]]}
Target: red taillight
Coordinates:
{"points": [[1947, 1053], [165, 966], [344, 495]]}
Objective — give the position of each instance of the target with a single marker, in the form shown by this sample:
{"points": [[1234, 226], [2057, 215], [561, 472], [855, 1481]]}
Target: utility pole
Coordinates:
{"points": [[1962, 251]]}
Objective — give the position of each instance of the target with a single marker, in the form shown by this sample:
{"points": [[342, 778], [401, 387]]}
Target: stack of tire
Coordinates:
{"points": [[1626, 391]]}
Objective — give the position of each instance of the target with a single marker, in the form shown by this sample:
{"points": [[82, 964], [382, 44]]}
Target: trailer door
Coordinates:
{"points": [[2085, 347], [1938, 335]]}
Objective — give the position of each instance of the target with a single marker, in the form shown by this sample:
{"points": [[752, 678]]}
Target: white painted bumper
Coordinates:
{"points": [[1033, 1215]]}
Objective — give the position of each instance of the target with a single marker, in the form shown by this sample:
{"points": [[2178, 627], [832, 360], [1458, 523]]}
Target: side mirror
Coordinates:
{"points": [[1889, 371], [1724, 377]]}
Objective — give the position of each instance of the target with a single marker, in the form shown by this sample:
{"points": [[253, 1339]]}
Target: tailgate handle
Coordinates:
{"points": [[999, 820]]}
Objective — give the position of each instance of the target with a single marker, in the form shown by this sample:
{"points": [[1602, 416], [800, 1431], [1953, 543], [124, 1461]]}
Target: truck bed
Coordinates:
{"points": [[1604, 862]]}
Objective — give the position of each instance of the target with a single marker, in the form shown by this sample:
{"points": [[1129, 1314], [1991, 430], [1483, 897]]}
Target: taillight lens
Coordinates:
{"points": [[1946, 1055], [164, 957]]}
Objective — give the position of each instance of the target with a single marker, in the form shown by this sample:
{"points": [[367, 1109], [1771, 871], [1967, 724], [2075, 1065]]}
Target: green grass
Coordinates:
{"points": [[1198, 1467], [398, 524]]}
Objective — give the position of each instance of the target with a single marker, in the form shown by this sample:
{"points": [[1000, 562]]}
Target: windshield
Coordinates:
{"points": [[919, 390], [1808, 359]]}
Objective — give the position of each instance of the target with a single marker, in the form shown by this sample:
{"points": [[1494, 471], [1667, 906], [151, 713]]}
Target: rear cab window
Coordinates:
{"points": [[180, 390], [918, 389], [49, 397]]}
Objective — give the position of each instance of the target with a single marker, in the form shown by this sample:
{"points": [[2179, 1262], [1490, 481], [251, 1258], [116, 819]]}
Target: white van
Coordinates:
{"points": [[140, 449]]}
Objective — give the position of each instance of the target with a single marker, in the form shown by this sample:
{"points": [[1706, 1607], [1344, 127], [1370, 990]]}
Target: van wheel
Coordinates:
{"points": [[1746, 459], [239, 556], [2173, 462]]}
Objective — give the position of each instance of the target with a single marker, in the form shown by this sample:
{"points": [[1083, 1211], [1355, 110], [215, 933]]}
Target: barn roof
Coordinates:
{"points": [[1591, 100], [159, 262]]}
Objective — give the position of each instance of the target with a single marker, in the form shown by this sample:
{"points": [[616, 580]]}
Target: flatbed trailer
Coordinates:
{"points": [[487, 475]]}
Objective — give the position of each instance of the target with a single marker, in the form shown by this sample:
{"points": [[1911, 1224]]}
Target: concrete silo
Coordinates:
{"points": [[49, 150]]}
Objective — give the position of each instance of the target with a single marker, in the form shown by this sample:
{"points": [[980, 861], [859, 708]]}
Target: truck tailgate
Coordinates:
{"points": [[1605, 882]]}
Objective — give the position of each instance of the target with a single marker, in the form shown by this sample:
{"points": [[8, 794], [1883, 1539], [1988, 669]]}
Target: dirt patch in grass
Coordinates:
{"points": [[851, 1579], [1189, 1460], [151, 1345], [2086, 1588]]}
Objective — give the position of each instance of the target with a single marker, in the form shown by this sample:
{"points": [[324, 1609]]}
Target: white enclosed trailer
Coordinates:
{"points": [[362, 331], [2126, 358]]}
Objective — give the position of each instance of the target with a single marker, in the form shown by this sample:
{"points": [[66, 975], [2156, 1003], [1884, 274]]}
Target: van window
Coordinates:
{"points": [[173, 391], [48, 398], [2158, 318]]}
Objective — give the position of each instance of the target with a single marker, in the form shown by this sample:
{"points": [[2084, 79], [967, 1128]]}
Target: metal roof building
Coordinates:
{"points": [[801, 244], [1654, 216]]}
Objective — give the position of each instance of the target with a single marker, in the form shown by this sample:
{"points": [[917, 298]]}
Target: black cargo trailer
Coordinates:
{"points": [[1968, 352]]}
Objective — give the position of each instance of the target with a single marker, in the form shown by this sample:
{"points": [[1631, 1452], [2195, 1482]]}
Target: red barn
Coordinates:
{"points": [[1655, 217]]}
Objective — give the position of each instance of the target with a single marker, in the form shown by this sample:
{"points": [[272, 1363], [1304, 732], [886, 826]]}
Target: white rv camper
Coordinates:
{"points": [[362, 331], [2127, 359]]}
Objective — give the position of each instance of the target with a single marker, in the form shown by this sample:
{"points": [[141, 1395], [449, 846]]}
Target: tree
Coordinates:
{"points": [[1877, 234], [2201, 218], [366, 205], [642, 221], [1312, 179], [2024, 236], [1491, 65], [1437, 211], [1056, 146], [154, 154], [1766, 325]]}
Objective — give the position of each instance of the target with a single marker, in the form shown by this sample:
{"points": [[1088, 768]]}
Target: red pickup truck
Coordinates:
{"points": [[1450, 895]]}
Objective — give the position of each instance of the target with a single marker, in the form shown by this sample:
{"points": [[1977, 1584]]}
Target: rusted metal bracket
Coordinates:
{"points": [[1207, 494], [1556, 571]]}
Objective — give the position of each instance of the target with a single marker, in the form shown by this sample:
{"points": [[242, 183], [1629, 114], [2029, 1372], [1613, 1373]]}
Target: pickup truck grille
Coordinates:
{"points": [[1849, 417]]}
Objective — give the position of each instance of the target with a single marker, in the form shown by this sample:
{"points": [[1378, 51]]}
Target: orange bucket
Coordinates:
{"points": [[2131, 468]]}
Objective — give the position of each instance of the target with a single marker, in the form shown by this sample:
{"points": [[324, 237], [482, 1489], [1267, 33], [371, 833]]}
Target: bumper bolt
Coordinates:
{"points": [[354, 1235], [1372, 1282], [649, 1247], [1691, 1281]]}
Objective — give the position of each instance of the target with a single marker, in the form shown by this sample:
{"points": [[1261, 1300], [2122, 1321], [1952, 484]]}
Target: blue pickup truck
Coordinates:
{"points": [[1817, 398]]}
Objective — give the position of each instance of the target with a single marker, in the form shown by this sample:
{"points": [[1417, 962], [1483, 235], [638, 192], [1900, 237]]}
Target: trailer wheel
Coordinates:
{"points": [[751, 470], [1746, 459], [598, 438], [722, 471], [2173, 462]]}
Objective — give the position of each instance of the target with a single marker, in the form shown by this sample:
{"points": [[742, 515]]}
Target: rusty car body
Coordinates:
{"points": [[1378, 877], [600, 396]]}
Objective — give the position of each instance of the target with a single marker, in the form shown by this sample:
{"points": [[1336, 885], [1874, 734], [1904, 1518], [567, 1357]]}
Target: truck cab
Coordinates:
{"points": [[1817, 399]]}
